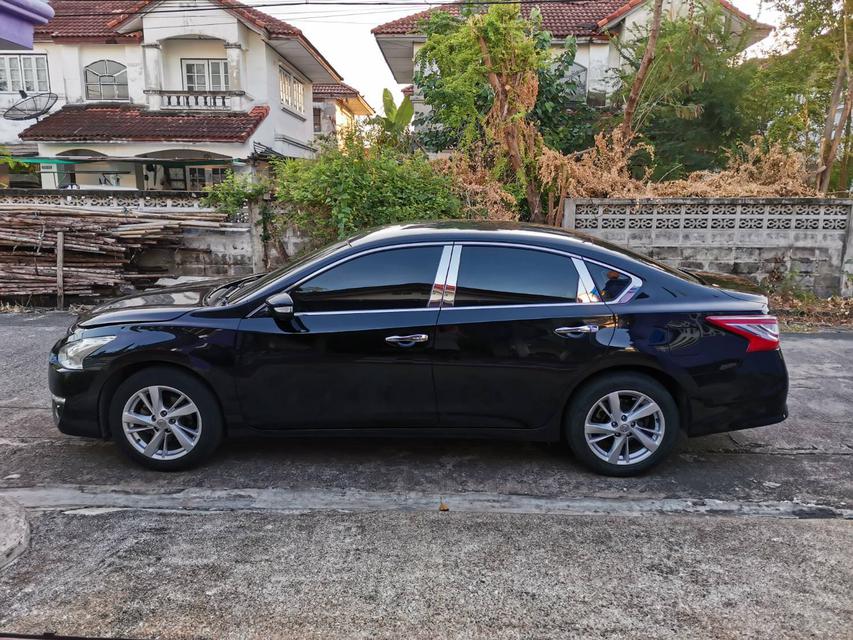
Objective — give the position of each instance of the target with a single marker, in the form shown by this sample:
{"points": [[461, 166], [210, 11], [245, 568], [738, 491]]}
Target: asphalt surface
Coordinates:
{"points": [[737, 535]]}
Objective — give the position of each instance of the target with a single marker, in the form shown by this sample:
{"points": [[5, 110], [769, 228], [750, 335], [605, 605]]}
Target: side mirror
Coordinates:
{"points": [[281, 306]]}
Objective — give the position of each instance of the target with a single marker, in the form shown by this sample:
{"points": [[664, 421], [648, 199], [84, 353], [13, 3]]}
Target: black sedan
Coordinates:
{"points": [[434, 329]]}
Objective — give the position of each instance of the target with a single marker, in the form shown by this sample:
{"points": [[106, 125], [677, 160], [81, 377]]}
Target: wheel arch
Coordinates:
{"points": [[123, 372], [669, 382]]}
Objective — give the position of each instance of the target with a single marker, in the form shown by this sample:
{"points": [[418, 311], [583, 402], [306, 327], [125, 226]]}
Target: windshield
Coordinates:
{"points": [[248, 288]]}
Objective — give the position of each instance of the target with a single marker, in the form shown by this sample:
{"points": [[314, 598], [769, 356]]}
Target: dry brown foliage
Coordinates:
{"points": [[482, 195], [758, 170], [796, 312], [603, 171]]}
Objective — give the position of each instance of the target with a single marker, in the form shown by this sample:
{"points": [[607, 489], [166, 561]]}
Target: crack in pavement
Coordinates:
{"points": [[92, 500]]}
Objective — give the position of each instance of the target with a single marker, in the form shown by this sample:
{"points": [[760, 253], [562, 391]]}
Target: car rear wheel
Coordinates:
{"points": [[621, 425], [165, 419]]}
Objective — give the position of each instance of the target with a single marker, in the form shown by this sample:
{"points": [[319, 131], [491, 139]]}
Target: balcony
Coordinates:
{"points": [[197, 100]]}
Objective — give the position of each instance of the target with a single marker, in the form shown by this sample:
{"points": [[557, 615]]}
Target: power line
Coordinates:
{"points": [[304, 3]]}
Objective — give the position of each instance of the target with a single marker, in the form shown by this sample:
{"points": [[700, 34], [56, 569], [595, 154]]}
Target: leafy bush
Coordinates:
{"points": [[356, 185], [235, 193]]}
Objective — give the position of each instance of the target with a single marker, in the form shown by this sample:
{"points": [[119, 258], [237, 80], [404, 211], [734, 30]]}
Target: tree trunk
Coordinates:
{"points": [[832, 130], [844, 176], [511, 133], [642, 72]]}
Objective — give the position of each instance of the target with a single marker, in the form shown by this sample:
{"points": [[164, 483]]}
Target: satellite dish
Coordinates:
{"points": [[31, 107]]}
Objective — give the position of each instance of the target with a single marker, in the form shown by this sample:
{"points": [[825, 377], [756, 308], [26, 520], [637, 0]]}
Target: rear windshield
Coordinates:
{"points": [[651, 262]]}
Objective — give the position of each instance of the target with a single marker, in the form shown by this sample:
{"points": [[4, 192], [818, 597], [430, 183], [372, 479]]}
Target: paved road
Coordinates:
{"points": [[740, 535]]}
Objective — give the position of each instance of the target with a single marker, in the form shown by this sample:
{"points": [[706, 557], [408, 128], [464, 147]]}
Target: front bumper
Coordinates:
{"points": [[74, 400]]}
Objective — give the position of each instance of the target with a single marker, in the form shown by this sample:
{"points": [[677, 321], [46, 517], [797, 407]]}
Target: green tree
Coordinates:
{"points": [[823, 40], [694, 105], [450, 75]]}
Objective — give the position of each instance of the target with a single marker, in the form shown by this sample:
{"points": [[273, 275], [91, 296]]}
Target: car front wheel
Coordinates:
{"points": [[623, 424], [165, 419]]}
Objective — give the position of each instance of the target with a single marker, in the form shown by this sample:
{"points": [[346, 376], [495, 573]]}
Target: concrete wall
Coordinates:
{"points": [[209, 253], [808, 240]]}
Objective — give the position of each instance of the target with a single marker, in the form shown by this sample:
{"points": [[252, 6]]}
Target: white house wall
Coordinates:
{"points": [[191, 35], [212, 23]]}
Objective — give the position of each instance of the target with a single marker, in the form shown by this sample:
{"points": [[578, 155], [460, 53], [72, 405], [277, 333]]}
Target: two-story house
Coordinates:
{"points": [[156, 95], [596, 25], [336, 107]]}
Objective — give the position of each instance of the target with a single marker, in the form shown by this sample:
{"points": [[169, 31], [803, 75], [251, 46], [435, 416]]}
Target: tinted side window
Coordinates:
{"points": [[506, 275], [609, 283], [393, 279]]}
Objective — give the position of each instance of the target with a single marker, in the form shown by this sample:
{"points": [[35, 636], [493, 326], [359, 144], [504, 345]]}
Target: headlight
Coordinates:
{"points": [[71, 354]]}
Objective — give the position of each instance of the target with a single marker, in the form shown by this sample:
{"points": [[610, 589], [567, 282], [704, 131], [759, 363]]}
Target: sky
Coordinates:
{"points": [[342, 34]]}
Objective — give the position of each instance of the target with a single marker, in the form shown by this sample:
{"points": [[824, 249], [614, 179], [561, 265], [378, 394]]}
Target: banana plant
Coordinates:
{"points": [[397, 118]]}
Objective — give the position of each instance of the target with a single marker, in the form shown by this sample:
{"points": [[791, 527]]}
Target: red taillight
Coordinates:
{"points": [[761, 331]]}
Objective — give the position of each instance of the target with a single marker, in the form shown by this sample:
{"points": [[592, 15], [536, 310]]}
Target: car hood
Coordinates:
{"points": [[156, 305]]}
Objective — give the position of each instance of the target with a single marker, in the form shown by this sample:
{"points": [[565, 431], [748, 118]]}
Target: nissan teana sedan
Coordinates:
{"points": [[434, 329]]}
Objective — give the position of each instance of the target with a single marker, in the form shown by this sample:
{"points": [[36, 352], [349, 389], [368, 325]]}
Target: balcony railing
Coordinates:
{"points": [[203, 100]]}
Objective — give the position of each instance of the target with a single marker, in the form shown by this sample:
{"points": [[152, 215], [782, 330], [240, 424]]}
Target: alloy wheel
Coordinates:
{"points": [[624, 427], [161, 423]]}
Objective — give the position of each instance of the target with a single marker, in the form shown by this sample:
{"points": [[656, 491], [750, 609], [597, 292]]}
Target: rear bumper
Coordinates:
{"points": [[752, 394]]}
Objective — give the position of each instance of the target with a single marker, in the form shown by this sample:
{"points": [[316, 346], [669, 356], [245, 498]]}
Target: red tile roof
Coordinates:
{"points": [[99, 20], [561, 19], [85, 20], [333, 90], [110, 122], [408, 90]]}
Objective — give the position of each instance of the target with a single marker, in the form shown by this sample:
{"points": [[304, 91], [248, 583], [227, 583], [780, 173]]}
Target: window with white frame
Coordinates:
{"points": [[106, 80], [205, 75], [291, 91], [27, 72]]}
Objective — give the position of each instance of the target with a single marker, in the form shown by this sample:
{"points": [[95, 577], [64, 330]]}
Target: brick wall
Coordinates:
{"points": [[809, 240]]}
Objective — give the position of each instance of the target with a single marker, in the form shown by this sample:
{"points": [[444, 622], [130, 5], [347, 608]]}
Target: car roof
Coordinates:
{"points": [[493, 231]]}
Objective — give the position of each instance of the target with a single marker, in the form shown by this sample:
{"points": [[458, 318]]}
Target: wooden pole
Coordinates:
{"points": [[60, 258]]}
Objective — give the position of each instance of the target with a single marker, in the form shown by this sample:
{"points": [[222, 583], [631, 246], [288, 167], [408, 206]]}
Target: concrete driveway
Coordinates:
{"points": [[739, 535]]}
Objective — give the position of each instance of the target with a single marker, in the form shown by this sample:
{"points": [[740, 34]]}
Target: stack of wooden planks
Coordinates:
{"points": [[99, 246]]}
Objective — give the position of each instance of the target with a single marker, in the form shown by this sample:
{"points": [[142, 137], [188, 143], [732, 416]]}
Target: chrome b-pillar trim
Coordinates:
{"points": [[437, 292], [585, 282], [452, 275]]}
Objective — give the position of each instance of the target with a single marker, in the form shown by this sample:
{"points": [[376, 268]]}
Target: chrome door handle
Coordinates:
{"points": [[407, 341], [574, 332]]}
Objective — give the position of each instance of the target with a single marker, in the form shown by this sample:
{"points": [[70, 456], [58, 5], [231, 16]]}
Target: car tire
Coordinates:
{"points": [[616, 445], [190, 429]]}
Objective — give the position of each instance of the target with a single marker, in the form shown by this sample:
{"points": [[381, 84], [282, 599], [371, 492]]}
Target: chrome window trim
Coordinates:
{"points": [[452, 273], [437, 293], [523, 306], [584, 280], [358, 311]]}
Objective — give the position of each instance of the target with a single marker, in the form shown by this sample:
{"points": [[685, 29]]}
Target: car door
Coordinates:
{"points": [[358, 351], [516, 330]]}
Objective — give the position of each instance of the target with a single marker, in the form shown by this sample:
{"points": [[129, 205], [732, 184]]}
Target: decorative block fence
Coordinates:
{"points": [[807, 239]]}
